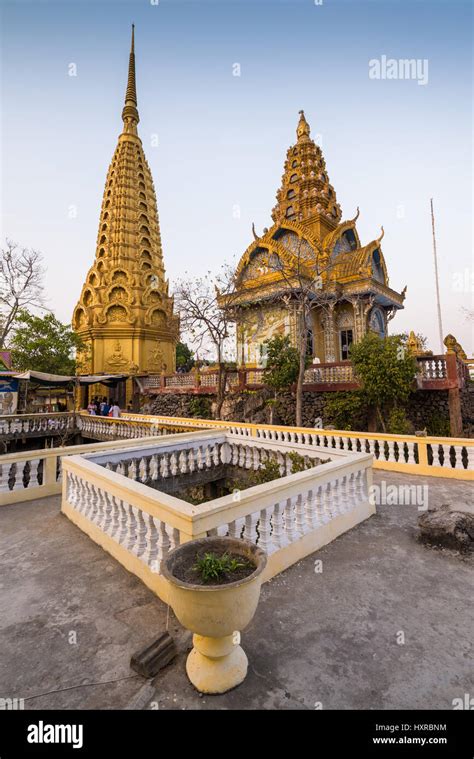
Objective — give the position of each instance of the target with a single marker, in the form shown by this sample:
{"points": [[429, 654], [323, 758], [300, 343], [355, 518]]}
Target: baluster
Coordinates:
{"points": [[235, 454], [120, 468], [327, 502], [17, 472], [310, 511], [133, 470], [4, 472], [337, 497], [143, 469], [163, 541], [215, 455], [255, 459], [33, 480], [191, 461], [351, 491], [183, 462], [411, 452], [470, 457], [249, 529], [281, 459], [154, 468], [277, 525], [235, 528], [391, 450], [200, 459], [458, 457], [359, 486], [123, 520], [141, 531], [90, 504], [164, 465], [248, 457], [289, 520], [106, 524], [130, 534], [173, 464], [174, 537], [115, 523], [241, 456], [70, 489], [300, 515], [264, 530]]}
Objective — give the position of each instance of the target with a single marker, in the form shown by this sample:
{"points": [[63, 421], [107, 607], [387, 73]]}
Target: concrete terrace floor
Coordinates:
{"points": [[325, 638]]}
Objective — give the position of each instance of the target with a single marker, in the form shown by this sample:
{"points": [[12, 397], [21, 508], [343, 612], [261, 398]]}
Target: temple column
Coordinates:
{"points": [[328, 322]]}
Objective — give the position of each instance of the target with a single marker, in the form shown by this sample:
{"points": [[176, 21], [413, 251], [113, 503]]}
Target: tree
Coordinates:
{"points": [[206, 324], [282, 365], [184, 357], [301, 290], [386, 370], [44, 344], [21, 285]]}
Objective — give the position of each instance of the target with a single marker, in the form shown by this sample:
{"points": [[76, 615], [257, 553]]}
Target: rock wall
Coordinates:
{"points": [[425, 409]]}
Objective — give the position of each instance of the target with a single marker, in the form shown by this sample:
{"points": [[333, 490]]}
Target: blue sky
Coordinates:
{"points": [[389, 145]]}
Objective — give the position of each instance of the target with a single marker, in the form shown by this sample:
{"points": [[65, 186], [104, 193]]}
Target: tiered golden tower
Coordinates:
{"points": [[125, 313], [346, 282]]}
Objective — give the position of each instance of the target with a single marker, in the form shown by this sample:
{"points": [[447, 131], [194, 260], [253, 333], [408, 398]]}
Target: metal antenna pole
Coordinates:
{"points": [[438, 302]]}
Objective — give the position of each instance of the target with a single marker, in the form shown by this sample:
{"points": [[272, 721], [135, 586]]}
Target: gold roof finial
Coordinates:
{"points": [[303, 129], [130, 113]]}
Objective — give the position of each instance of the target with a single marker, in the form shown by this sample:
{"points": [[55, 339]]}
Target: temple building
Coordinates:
{"points": [[310, 249], [125, 313]]}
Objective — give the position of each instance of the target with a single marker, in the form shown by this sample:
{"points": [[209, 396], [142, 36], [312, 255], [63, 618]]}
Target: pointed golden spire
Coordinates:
{"points": [[130, 113], [303, 129]]}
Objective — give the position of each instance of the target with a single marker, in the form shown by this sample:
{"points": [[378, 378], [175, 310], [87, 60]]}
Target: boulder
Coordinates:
{"points": [[447, 527]]}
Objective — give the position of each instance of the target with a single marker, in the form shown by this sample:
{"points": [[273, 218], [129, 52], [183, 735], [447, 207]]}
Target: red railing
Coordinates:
{"points": [[434, 373]]}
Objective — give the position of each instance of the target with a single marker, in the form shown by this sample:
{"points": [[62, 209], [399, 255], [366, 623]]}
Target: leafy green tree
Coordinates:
{"points": [[44, 344], [184, 357], [282, 365], [385, 370], [347, 409]]}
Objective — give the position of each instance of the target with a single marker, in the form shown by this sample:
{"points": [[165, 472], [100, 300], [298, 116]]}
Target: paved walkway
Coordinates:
{"points": [[71, 616]]}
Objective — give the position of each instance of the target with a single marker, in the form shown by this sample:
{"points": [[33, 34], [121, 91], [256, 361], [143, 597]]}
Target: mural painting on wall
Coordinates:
{"points": [[8, 396], [260, 327]]}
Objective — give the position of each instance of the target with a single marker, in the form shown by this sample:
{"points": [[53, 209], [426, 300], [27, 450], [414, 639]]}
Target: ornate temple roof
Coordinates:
{"points": [[126, 284], [308, 237]]}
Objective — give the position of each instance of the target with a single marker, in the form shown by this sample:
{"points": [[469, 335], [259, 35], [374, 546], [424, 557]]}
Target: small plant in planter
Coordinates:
{"points": [[214, 591], [219, 569]]}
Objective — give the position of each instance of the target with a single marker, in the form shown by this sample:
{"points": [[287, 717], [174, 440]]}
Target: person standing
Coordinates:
{"points": [[114, 410]]}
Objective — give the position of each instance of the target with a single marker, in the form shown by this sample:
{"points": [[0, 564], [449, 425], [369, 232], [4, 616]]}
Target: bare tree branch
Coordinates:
{"points": [[21, 285]]}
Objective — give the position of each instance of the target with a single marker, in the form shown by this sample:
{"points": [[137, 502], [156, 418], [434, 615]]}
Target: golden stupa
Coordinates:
{"points": [[125, 313], [348, 281]]}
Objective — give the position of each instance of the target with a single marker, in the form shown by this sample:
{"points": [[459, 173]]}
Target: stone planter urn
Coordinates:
{"points": [[215, 613]]}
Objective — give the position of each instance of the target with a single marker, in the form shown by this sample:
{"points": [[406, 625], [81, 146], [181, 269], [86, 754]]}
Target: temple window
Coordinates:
{"points": [[293, 177], [103, 239], [290, 211], [294, 164], [290, 194]]}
